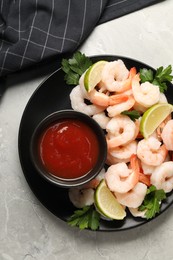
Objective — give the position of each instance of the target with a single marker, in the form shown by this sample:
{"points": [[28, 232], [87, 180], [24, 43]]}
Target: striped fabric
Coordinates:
{"points": [[35, 30]]}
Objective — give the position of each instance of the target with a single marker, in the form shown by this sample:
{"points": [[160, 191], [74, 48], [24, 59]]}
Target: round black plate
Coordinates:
{"points": [[50, 96]]}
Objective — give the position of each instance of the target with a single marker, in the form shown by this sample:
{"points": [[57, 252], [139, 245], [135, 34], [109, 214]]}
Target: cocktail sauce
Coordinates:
{"points": [[68, 149]]}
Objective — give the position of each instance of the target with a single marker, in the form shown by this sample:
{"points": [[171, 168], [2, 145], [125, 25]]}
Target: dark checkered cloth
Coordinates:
{"points": [[36, 30]]}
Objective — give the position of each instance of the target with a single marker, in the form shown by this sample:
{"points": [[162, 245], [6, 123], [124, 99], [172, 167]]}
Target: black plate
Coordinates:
{"points": [[50, 96]]}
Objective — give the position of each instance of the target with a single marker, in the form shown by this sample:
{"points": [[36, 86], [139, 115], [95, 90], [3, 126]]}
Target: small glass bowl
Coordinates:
{"points": [[53, 118]]}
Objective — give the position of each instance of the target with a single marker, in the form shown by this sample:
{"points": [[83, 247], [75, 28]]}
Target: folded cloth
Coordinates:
{"points": [[37, 30]]}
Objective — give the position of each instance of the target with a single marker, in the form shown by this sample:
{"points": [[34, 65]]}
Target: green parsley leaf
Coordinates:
{"points": [[94, 220], [150, 189], [146, 75], [87, 217], [164, 74], [161, 77], [71, 78], [75, 67], [162, 86], [152, 201], [133, 114]]}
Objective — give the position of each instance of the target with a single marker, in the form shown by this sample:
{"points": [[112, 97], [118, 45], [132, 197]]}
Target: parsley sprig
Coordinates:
{"points": [[75, 67], [152, 201], [160, 78], [133, 114], [86, 217]]}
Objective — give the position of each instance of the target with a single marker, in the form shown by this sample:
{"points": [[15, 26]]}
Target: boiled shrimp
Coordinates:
{"points": [[137, 213], [101, 175], [137, 131], [147, 169], [123, 153], [151, 152], [78, 97], [116, 109], [160, 128], [162, 176], [167, 135], [146, 94], [121, 130], [101, 119], [140, 108], [104, 99], [162, 98], [113, 160], [120, 178], [81, 197], [116, 77], [134, 160], [134, 197]]}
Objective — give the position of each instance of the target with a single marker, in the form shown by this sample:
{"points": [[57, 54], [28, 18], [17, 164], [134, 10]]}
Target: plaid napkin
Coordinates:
{"points": [[38, 30]]}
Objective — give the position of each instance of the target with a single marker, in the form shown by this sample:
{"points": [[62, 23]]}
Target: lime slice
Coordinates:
{"points": [[93, 75], [107, 204], [153, 117]]}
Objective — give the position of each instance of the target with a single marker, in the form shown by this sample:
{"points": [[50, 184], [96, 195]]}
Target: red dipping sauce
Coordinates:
{"points": [[69, 149]]}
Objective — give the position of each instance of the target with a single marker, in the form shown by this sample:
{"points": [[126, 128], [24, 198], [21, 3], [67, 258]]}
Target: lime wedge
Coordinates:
{"points": [[153, 117], [107, 204], [93, 75]]}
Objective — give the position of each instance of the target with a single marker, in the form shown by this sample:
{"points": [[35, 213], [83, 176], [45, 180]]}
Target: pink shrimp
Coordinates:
{"points": [[134, 197], [162, 176], [151, 152], [116, 109], [77, 97], [135, 162], [116, 77], [160, 128], [120, 178], [145, 94], [121, 130], [123, 153], [105, 100], [167, 135]]}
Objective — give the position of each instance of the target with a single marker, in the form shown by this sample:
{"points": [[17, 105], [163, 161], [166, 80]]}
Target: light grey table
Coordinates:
{"points": [[28, 230]]}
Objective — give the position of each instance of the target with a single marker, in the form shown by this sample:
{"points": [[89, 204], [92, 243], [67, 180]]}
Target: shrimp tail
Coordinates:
{"points": [[144, 179], [134, 163], [117, 99], [132, 72], [137, 77]]}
